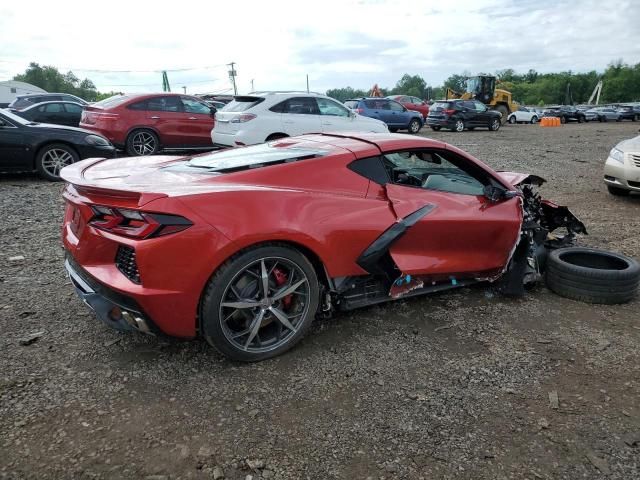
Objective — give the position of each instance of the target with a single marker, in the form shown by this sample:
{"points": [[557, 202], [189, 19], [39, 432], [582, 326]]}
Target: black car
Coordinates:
{"points": [[58, 113], [629, 112], [45, 148], [566, 113], [457, 115], [24, 101]]}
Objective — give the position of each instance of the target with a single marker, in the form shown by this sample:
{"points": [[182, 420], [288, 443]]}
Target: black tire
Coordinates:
{"points": [[580, 119], [276, 136], [52, 158], [592, 276], [512, 120], [618, 192], [534, 119], [142, 142], [600, 119], [604, 119], [635, 118], [436, 128], [458, 126], [414, 126], [563, 120], [219, 287], [504, 111], [495, 124]]}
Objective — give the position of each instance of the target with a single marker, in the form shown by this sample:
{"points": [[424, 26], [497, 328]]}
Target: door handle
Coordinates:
{"points": [[155, 118], [192, 118]]}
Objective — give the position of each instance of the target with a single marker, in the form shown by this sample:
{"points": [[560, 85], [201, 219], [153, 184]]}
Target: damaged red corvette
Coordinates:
{"points": [[245, 247]]}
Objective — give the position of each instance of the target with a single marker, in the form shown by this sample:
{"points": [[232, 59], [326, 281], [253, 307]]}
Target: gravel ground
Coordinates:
{"points": [[458, 385]]}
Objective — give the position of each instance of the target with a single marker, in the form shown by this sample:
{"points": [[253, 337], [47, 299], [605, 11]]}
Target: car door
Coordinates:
{"points": [[300, 115], [333, 116], [378, 108], [14, 147], [73, 114], [469, 113], [461, 233], [399, 115], [483, 117], [165, 114], [198, 122]]}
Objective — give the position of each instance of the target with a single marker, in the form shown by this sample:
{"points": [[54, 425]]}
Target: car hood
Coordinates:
{"points": [[632, 144]]}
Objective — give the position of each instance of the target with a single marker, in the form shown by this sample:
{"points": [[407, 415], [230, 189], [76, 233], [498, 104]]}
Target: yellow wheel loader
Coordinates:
{"points": [[483, 88]]}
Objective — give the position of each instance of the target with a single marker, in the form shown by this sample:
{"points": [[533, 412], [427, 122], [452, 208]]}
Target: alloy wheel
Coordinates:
{"points": [[264, 304], [144, 143], [459, 126], [55, 160]]}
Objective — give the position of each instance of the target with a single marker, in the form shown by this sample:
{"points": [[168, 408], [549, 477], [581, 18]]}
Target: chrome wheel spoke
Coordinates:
{"points": [[265, 279], [241, 303], [289, 290], [255, 326], [282, 318]]}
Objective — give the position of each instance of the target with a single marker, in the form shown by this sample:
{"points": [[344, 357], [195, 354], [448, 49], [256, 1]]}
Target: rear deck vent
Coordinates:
{"points": [[126, 263]]}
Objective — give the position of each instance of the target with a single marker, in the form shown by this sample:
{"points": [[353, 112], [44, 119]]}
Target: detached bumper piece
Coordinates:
{"points": [[112, 308]]}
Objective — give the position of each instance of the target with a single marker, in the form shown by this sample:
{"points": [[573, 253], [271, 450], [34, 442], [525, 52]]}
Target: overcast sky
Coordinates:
{"points": [[337, 42]]}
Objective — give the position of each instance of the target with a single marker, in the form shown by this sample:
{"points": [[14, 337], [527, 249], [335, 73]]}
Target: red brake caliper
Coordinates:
{"points": [[281, 278]]}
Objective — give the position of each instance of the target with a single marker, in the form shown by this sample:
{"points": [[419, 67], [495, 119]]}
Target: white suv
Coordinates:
{"points": [[264, 116]]}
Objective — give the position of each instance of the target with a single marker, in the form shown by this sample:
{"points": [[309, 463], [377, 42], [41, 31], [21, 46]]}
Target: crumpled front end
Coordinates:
{"points": [[546, 226]]}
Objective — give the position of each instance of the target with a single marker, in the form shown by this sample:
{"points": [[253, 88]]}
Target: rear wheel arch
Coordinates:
{"points": [[311, 255], [143, 127]]}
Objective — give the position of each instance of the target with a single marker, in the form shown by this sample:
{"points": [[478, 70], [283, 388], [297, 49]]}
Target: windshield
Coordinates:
{"points": [[14, 118], [473, 85], [254, 156]]}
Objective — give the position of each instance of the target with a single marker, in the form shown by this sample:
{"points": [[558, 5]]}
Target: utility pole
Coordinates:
{"points": [[184, 87], [252, 89], [232, 76], [307, 83]]}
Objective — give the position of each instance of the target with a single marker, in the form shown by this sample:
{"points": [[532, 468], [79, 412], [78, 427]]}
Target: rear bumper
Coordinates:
{"points": [[440, 122], [115, 310]]}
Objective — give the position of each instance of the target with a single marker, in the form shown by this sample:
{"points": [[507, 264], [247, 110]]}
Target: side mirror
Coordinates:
{"points": [[495, 194]]}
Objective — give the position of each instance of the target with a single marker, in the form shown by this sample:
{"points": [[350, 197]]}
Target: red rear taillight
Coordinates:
{"points": [[449, 111], [243, 117], [360, 110], [136, 224]]}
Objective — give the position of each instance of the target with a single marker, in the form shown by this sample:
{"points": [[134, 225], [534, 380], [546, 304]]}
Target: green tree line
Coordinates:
{"points": [[621, 83]]}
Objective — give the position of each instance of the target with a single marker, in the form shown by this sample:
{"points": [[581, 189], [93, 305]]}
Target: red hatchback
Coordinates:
{"points": [[412, 103], [143, 124], [245, 246]]}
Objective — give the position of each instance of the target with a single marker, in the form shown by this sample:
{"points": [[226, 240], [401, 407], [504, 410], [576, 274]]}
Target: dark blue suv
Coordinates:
{"points": [[389, 111]]}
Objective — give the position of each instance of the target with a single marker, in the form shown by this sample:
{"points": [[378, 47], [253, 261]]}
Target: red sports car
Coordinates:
{"points": [[245, 247], [143, 124]]}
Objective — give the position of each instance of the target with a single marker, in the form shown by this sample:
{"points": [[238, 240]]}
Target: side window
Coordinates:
{"points": [[480, 107], [53, 108], [279, 108], [302, 106], [431, 171], [165, 104], [396, 107], [468, 104], [329, 107], [72, 108], [194, 106], [416, 100], [139, 105]]}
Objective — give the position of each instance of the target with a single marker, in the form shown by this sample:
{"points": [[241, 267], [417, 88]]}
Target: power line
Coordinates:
{"points": [[94, 70]]}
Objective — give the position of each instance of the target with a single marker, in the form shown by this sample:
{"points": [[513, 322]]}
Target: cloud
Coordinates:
{"points": [[337, 42]]}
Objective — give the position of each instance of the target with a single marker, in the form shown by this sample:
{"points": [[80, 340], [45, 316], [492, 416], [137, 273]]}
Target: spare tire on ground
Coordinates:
{"points": [[591, 275]]}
